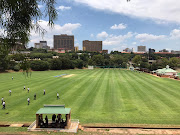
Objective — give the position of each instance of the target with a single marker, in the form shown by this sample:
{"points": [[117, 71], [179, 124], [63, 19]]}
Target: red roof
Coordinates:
{"points": [[163, 53]]}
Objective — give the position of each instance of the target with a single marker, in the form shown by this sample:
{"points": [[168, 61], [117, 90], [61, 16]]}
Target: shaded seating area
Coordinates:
{"points": [[51, 116]]}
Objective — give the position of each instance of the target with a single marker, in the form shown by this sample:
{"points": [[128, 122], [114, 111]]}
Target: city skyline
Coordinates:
{"points": [[117, 28]]}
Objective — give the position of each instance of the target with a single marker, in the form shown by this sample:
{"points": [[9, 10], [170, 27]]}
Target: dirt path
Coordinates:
{"points": [[163, 77], [134, 131]]}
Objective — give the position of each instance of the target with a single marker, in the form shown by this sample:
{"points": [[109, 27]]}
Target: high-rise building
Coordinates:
{"points": [[64, 41], [92, 46], [141, 48], [151, 50], [76, 48], [41, 45]]}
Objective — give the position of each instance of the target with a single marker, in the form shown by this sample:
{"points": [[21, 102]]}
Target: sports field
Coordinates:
{"points": [[95, 96]]}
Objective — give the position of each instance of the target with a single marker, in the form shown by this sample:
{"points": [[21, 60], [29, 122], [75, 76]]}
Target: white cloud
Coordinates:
{"points": [[175, 34], [62, 8], [166, 10], [3, 33], [120, 48], [117, 40], [77, 44], [101, 35], [134, 43], [161, 22], [40, 6], [120, 26], [149, 37], [92, 35], [67, 28]]}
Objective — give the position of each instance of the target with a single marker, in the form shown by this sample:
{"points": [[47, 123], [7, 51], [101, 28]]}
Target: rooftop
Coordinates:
{"points": [[54, 109]]}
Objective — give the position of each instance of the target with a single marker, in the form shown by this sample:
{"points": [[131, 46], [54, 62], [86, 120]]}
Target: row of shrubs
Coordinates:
{"points": [[52, 64]]}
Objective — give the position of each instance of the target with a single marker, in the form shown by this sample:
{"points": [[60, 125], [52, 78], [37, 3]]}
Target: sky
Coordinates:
{"points": [[118, 23]]}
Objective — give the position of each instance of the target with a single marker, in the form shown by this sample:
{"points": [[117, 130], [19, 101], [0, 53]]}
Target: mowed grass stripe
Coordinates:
{"points": [[62, 89], [92, 92], [165, 109], [162, 95], [72, 94], [42, 100], [83, 102], [144, 108], [127, 96], [95, 96], [157, 105], [166, 87], [135, 98], [116, 95], [100, 96]]}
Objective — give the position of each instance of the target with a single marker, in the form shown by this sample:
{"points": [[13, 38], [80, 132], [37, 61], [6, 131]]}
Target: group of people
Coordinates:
{"points": [[59, 122], [28, 99]]}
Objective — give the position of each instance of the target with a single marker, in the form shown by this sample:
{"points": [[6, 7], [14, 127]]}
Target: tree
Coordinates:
{"points": [[98, 59], [55, 64], [66, 63], [173, 62], [19, 17], [4, 60], [137, 59], [39, 65], [165, 62]]}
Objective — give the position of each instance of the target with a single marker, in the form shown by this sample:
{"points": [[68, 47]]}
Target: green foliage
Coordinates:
{"points": [[41, 55], [66, 63], [173, 62], [79, 64], [144, 65], [16, 67], [35, 50], [165, 61], [91, 62], [55, 64], [22, 16], [18, 57], [4, 59], [98, 59], [17, 19], [39, 65], [137, 59]]}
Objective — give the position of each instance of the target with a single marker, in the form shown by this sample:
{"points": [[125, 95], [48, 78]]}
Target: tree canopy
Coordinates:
{"points": [[19, 17]]}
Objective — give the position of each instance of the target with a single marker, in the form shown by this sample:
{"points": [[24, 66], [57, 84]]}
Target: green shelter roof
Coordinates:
{"points": [[54, 109], [166, 70]]}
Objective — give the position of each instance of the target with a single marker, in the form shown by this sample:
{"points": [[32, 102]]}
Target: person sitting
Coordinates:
{"points": [[46, 118], [53, 118]]}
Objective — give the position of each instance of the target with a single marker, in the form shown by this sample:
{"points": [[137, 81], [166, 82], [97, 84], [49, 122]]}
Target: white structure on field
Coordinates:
{"points": [[166, 71], [90, 67]]}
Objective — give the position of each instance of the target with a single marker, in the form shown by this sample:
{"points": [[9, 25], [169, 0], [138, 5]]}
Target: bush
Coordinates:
{"points": [[39, 65], [55, 64], [16, 68], [66, 63]]}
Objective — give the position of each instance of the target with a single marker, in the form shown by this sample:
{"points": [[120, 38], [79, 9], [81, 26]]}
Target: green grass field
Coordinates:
{"points": [[95, 96]]}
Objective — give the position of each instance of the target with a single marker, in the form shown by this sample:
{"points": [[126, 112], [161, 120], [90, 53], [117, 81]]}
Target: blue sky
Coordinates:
{"points": [[119, 24]]}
